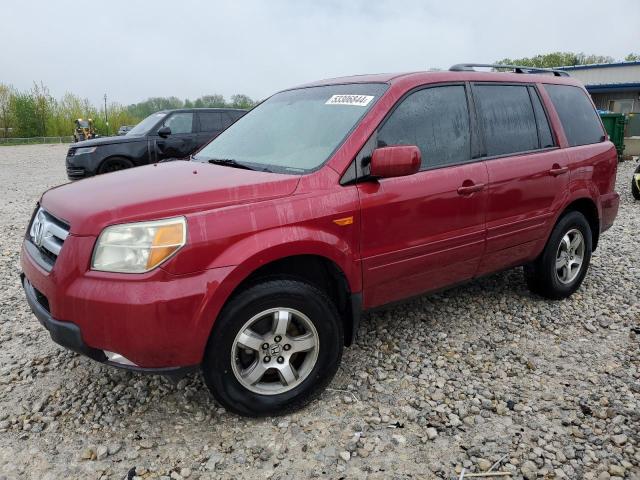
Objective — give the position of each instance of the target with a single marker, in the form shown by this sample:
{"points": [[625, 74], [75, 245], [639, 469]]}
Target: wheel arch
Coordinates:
{"points": [[316, 269], [111, 157], [589, 209]]}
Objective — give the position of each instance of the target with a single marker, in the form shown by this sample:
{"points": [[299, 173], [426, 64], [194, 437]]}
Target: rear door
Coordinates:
{"points": [[527, 171], [181, 142], [423, 231]]}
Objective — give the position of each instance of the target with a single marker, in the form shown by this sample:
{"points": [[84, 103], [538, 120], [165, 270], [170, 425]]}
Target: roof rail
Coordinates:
{"points": [[468, 67]]}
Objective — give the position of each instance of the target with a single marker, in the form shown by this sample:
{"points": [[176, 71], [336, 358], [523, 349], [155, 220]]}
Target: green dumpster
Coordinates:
{"points": [[614, 124]]}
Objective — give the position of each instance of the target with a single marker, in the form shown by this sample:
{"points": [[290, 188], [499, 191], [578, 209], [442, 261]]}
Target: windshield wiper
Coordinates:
{"points": [[229, 162]]}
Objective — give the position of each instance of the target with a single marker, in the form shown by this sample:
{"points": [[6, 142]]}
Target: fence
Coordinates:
{"points": [[34, 140]]}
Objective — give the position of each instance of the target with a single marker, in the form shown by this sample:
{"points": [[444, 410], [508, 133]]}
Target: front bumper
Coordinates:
{"points": [[63, 333], [75, 173], [158, 321], [81, 166], [68, 335]]}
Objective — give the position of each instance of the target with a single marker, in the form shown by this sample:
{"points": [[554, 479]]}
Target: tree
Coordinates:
{"points": [[211, 101], [24, 113], [632, 57], [65, 111], [154, 104], [36, 113], [557, 59], [6, 99], [242, 101], [43, 105]]}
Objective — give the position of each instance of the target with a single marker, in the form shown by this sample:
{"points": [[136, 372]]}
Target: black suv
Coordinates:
{"points": [[160, 136]]}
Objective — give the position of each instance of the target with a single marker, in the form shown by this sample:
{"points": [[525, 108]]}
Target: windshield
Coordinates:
{"points": [[83, 124], [294, 131], [145, 125]]}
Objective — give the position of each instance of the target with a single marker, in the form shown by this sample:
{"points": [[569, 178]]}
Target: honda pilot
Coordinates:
{"points": [[255, 261]]}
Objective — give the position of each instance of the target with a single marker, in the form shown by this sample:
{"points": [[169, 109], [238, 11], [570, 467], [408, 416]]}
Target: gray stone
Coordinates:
{"points": [[102, 452], [619, 439], [214, 460]]}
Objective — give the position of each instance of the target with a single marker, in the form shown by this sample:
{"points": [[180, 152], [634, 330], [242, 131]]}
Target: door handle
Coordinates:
{"points": [[469, 189], [558, 170]]}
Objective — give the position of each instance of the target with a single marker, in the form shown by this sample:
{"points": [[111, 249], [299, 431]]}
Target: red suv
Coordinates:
{"points": [[255, 260]]}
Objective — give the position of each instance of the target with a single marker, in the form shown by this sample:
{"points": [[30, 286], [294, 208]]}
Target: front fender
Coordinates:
{"points": [[255, 255], [268, 246]]}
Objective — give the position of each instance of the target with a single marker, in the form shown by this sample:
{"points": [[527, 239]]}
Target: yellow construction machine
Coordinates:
{"points": [[84, 130]]}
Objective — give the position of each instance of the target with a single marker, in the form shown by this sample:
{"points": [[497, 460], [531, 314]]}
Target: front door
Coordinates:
{"points": [[181, 142], [424, 231]]}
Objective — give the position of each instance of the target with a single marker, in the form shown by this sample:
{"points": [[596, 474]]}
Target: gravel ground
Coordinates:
{"points": [[479, 374]]}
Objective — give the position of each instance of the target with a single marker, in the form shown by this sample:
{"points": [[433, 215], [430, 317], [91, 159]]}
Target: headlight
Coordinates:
{"points": [[83, 150], [138, 247]]}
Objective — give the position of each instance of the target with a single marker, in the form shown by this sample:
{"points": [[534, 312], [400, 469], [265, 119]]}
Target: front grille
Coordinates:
{"points": [[47, 233]]}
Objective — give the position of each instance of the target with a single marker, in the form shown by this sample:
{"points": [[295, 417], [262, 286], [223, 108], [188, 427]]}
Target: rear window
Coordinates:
{"points": [[507, 117], [577, 114]]}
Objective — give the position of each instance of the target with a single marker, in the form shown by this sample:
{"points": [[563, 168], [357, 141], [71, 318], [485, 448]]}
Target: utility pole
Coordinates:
{"points": [[106, 118]]}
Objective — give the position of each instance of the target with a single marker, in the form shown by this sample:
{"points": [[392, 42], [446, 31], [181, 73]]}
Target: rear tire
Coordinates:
{"points": [[254, 365], [563, 264], [115, 164], [635, 190]]}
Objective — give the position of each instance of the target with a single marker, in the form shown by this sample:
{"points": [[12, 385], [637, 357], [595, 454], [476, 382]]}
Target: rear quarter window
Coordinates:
{"points": [[579, 118]]}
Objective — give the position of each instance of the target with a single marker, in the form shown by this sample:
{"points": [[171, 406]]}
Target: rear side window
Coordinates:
{"points": [[211, 121], [507, 118], [436, 120], [544, 130], [578, 116]]}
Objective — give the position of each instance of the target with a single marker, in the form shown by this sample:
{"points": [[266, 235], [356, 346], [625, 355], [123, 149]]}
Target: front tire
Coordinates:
{"points": [[274, 348], [115, 164], [563, 264]]}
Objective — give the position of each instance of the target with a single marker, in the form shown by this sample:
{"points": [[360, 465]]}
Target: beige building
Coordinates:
{"points": [[613, 86]]}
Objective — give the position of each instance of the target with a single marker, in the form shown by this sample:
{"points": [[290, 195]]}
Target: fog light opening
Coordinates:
{"points": [[117, 358]]}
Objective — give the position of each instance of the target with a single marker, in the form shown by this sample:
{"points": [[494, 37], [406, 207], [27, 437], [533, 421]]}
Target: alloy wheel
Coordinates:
{"points": [[275, 351], [570, 256]]}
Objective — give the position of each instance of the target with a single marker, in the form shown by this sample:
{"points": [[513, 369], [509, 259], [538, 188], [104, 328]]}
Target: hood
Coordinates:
{"points": [[94, 142], [159, 191]]}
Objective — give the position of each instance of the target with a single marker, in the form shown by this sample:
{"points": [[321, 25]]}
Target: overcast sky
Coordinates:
{"points": [[133, 50]]}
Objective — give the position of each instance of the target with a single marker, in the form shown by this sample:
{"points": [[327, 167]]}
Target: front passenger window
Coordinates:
{"points": [[436, 120], [181, 122]]}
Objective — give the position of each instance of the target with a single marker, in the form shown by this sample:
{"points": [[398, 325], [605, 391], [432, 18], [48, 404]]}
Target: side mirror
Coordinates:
{"points": [[398, 161], [164, 132]]}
